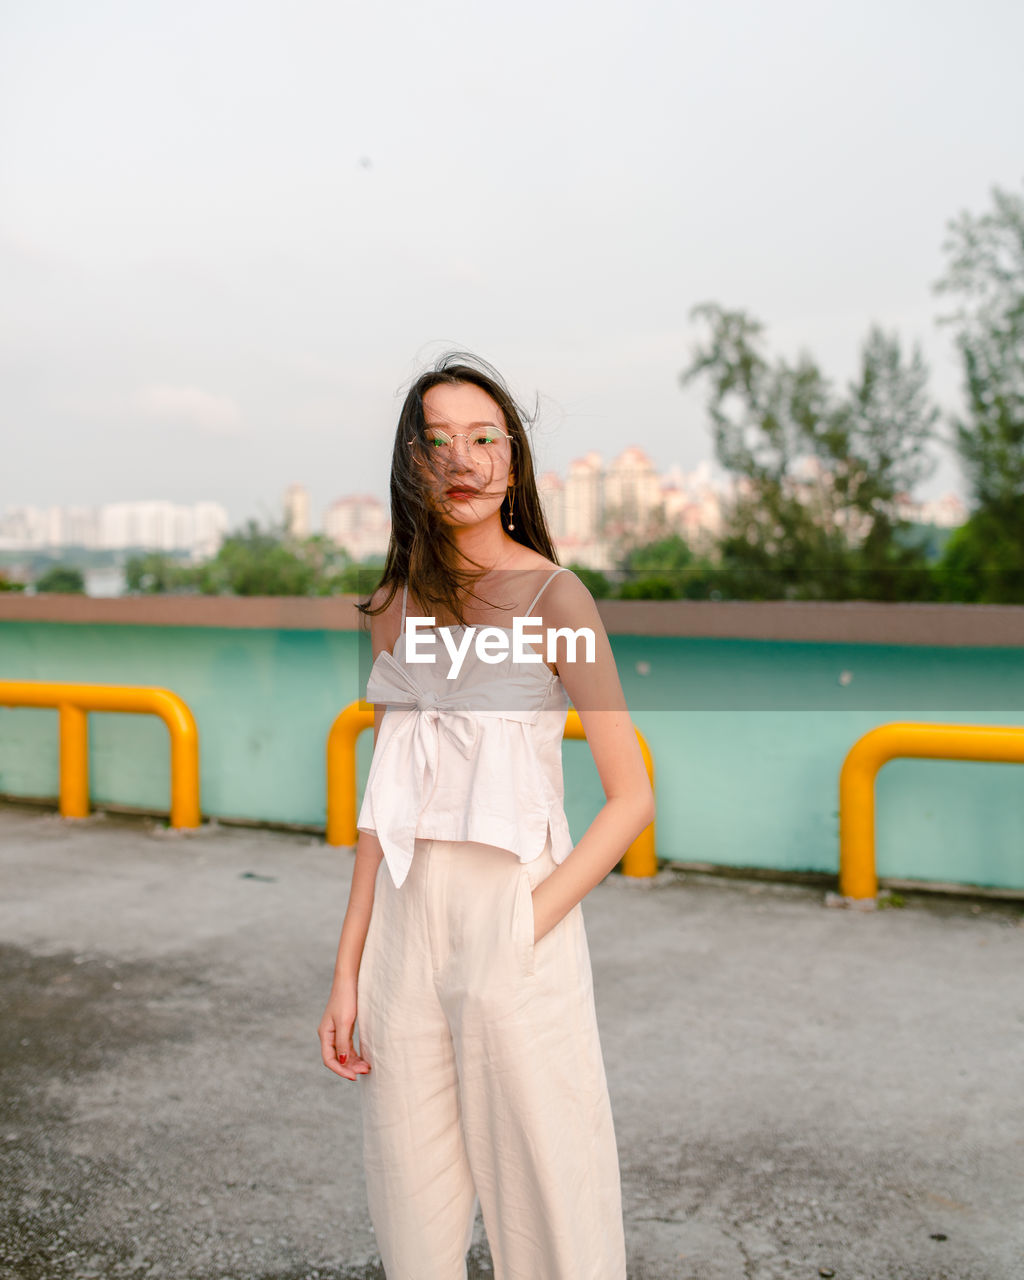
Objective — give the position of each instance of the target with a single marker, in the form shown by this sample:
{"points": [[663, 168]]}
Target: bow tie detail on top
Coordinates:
{"points": [[438, 711], [426, 712]]}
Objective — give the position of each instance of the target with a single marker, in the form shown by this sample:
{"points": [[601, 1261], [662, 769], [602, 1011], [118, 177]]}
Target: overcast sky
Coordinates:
{"points": [[230, 231]]}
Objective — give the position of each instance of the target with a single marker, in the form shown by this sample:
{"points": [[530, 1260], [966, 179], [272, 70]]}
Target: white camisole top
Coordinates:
{"points": [[477, 757]]}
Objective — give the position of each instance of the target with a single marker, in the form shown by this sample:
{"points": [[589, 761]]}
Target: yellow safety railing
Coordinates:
{"points": [[857, 877], [639, 859], [73, 702]]}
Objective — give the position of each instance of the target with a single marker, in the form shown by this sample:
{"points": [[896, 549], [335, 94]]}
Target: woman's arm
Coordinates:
{"points": [[596, 693], [338, 1021], [336, 1025]]}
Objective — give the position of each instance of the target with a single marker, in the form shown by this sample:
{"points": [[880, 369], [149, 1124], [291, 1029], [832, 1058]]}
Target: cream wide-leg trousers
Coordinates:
{"points": [[487, 1078]]}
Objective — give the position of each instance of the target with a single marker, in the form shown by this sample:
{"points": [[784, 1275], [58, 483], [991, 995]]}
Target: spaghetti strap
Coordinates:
{"points": [[529, 609], [405, 596]]}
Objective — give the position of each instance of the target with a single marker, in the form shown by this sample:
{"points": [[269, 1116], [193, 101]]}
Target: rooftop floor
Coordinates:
{"points": [[797, 1091]]}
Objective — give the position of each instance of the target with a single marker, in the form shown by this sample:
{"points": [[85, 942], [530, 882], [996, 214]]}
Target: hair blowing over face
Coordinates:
{"points": [[422, 550]]}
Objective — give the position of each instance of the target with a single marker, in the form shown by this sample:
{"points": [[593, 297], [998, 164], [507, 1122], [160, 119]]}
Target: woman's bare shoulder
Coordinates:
{"points": [[541, 574], [567, 596]]}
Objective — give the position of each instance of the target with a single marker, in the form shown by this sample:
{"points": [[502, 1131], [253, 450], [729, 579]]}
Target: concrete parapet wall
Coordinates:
{"points": [[749, 709]]}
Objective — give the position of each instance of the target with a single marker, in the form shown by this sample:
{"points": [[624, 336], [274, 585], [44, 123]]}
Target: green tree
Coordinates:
{"points": [[985, 280], [63, 579], [333, 570], [155, 573], [982, 562], [814, 512], [891, 423], [255, 561], [764, 418], [9, 584], [666, 569]]}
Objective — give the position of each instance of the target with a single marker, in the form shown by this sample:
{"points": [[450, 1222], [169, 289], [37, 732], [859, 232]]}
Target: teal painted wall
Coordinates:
{"points": [[748, 737]]}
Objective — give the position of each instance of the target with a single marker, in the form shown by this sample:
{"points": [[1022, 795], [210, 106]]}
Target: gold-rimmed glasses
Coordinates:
{"points": [[480, 441]]}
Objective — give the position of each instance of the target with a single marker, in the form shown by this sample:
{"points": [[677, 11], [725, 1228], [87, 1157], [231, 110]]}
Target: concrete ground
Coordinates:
{"points": [[797, 1091]]}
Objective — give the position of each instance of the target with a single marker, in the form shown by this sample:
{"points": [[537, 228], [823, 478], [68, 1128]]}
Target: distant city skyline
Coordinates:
{"points": [[588, 508], [198, 528], [321, 494], [275, 504]]}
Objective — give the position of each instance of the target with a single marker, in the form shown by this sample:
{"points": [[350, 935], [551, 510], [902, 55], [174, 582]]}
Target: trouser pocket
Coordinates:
{"points": [[525, 921]]}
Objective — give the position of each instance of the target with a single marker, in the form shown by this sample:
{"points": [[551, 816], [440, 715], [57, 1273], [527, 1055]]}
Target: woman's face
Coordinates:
{"points": [[471, 474]]}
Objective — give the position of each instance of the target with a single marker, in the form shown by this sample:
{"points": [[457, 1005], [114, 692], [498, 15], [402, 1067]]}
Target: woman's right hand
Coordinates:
{"points": [[335, 1033]]}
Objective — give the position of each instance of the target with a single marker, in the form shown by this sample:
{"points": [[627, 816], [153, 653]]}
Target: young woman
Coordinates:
{"points": [[463, 949]]}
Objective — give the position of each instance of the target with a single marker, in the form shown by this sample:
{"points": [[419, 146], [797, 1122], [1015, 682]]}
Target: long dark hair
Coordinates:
{"points": [[422, 550]]}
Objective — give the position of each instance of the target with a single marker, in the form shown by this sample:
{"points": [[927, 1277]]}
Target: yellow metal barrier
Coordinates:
{"points": [[639, 859], [857, 878], [73, 702], [342, 780]]}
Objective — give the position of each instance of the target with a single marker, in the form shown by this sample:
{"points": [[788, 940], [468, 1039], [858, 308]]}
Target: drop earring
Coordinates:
{"points": [[511, 526]]}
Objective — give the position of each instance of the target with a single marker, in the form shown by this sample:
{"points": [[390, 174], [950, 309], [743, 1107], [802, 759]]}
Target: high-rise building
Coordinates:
{"points": [[359, 523], [210, 524], [631, 493], [296, 511], [584, 497]]}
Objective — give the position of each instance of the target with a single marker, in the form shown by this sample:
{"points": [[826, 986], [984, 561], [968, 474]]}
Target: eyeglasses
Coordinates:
{"points": [[479, 442]]}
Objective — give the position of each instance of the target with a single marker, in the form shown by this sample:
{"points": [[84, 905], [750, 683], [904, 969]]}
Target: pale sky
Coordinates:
{"points": [[231, 230]]}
